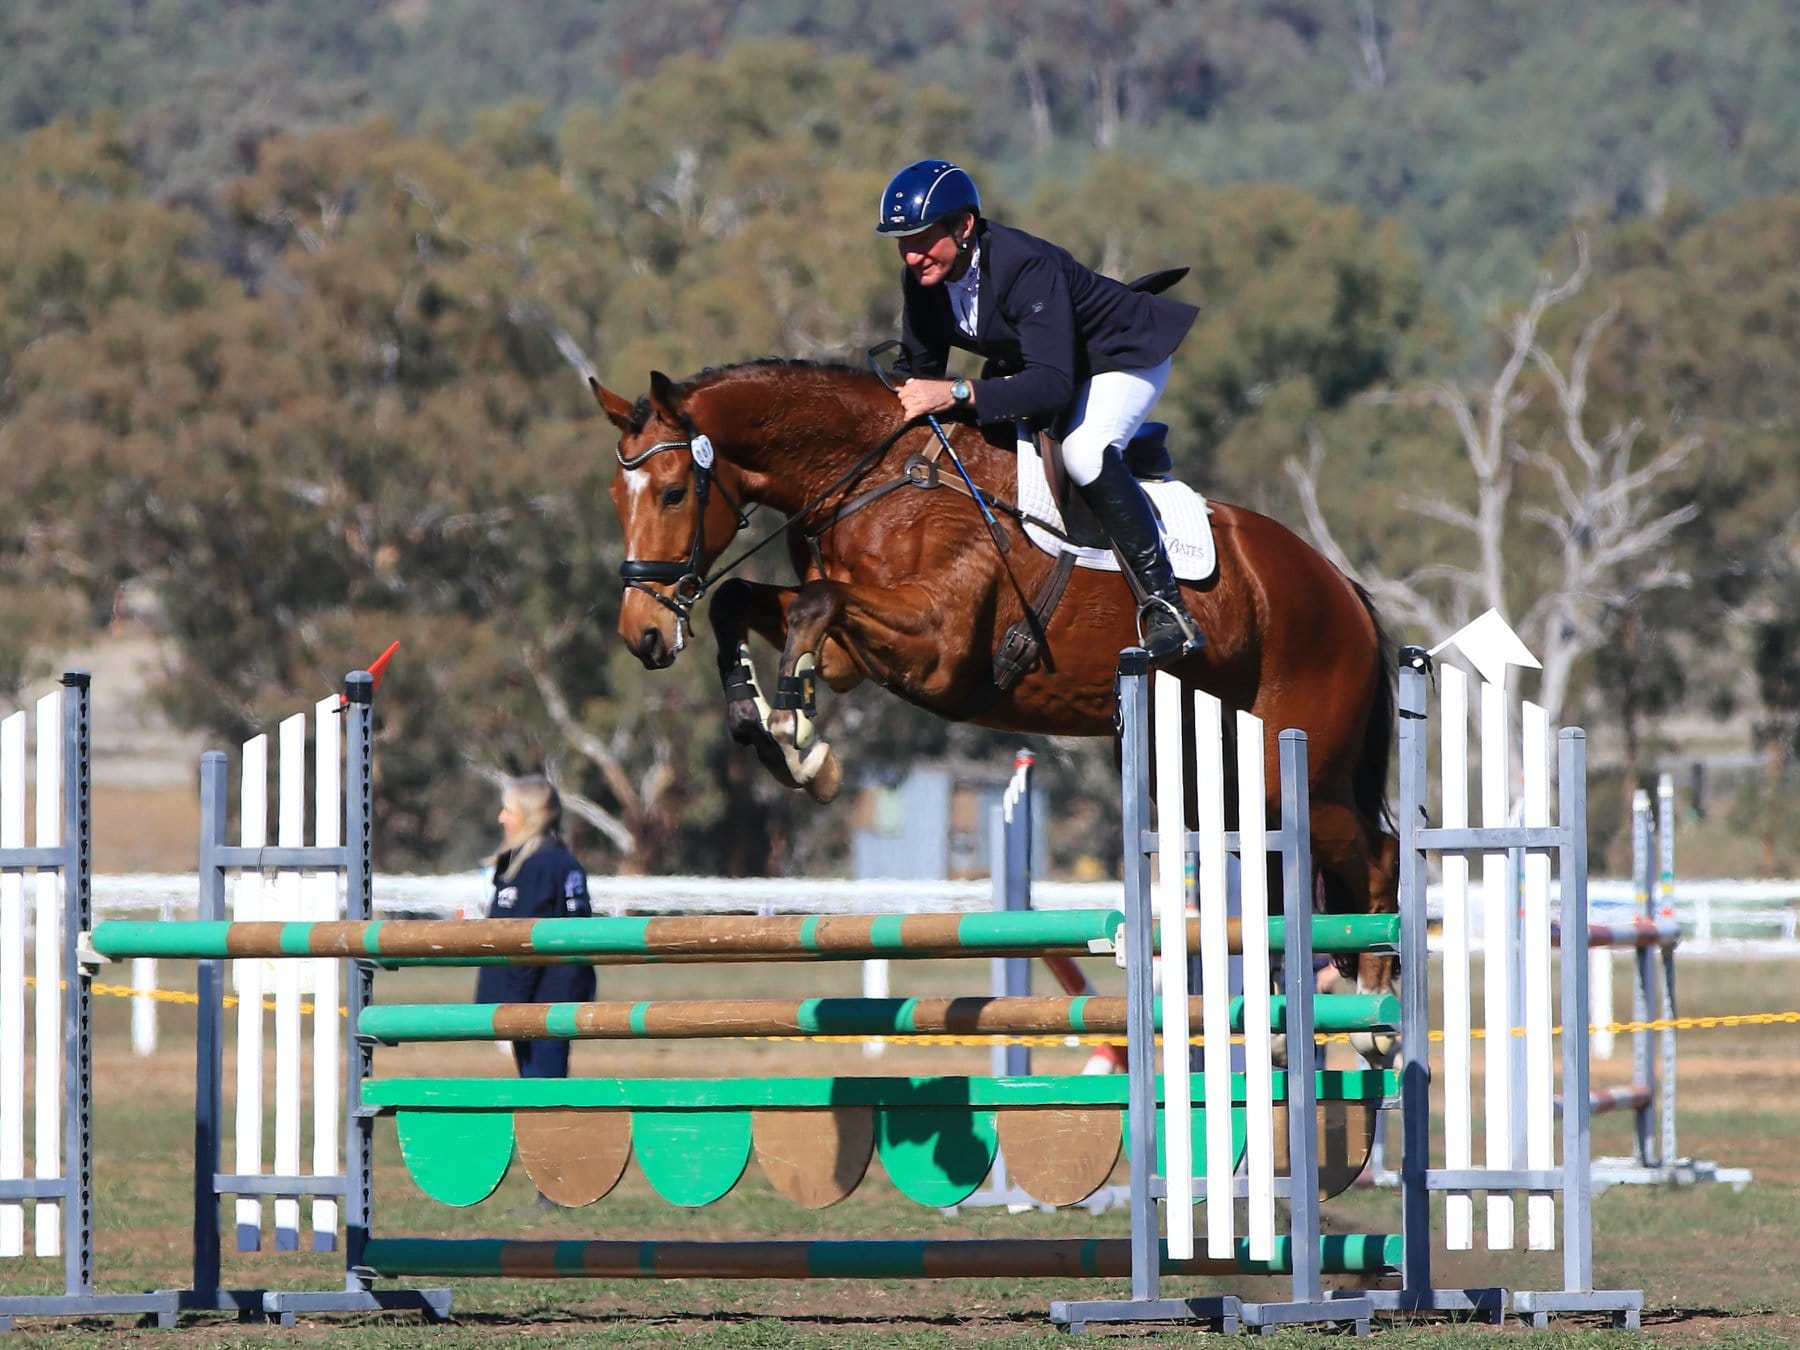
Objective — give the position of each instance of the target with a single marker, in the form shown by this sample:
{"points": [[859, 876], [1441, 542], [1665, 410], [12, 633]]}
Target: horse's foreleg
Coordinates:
{"points": [[792, 711], [738, 609], [895, 629]]}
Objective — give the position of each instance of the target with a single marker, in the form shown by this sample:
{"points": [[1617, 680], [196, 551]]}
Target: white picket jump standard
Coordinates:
{"points": [[1496, 907], [1215, 965], [1171, 925], [1218, 1151], [143, 1005], [290, 832], [12, 982], [326, 903], [1259, 1065], [1154, 716], [249, 904], [1459, 1153], [1540, 1053], [46, 1142]]}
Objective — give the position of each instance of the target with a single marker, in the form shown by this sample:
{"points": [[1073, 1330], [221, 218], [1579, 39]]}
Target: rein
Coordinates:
{"points": [[1020, 646], [687, 578]]}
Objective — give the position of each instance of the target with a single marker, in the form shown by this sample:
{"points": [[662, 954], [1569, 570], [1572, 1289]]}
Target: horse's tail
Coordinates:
{"points": [[1369, 781]]}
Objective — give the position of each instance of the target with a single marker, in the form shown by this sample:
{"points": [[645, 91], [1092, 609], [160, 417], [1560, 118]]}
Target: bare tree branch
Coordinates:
{"points": [[1602, 520]]}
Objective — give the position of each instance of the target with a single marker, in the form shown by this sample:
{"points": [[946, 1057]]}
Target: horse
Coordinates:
{"points": [[903, 583]]}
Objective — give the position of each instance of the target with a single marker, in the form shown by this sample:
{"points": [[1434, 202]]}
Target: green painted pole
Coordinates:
{"points": [[921, 1258], [720, 937], [723, 937], [695, 1019]]}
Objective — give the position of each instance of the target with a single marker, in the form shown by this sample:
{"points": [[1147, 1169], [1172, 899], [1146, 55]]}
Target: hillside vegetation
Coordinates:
{"points": [[294, 295]]}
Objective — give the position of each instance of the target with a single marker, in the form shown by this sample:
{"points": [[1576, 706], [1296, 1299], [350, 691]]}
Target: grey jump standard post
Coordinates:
{"points": [[354, 860], [1566, 841], [72, 1190]]}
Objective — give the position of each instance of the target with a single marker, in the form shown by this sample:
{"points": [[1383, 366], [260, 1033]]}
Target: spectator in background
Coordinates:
{"points": [[536, 877]]}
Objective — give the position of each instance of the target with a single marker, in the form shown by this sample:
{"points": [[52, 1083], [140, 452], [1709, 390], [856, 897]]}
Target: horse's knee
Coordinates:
{"points": [[812, 609]]}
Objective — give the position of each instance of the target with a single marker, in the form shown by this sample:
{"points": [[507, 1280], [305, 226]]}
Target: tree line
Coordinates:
{"points": [[330, 398]]}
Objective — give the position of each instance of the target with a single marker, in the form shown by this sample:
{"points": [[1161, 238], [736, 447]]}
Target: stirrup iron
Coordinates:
{"points": [[1166, 631]]}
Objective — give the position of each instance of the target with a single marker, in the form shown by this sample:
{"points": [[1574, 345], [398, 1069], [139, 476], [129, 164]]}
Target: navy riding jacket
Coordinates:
{"points": [[549, 884], [1044, 323]]}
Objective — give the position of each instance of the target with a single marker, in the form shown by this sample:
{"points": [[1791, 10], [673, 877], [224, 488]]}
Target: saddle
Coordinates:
{"points": [[1147, 456]]}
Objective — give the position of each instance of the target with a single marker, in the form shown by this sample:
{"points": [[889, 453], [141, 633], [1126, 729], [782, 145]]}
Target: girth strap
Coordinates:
{"points": [[1022, 646]]}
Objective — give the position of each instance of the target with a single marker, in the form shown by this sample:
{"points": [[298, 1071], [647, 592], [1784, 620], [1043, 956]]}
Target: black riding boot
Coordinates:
{"points": [[1165, 627]]}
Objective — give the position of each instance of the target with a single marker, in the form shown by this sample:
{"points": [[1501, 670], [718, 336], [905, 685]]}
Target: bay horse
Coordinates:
{"points": [[901, 583]]}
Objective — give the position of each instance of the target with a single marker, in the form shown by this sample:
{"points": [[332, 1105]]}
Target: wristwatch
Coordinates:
{"points": [[960, 391]]}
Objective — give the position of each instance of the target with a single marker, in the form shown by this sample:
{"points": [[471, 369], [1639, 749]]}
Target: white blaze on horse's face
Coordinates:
{"points": [[655, 502]]}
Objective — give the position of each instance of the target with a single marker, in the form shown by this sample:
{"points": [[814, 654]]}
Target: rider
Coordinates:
{"points": [[1060, 342]]}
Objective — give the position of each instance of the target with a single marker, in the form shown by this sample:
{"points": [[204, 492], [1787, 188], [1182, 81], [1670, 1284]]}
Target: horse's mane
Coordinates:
{"points": [[712, 375]]}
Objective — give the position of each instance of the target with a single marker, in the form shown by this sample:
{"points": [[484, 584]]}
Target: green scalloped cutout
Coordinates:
{"points": [[691, 1158], [936, 1155], [456, 1157]]}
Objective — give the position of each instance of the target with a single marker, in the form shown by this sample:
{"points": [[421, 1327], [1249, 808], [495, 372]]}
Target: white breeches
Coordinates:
{"points": [[1108, 410]]}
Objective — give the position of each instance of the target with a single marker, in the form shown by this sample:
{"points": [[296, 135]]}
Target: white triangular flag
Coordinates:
{"points": [[1490, 646]]}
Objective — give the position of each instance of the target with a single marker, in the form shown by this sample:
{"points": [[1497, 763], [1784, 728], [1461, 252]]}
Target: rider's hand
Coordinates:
{"points": [[919, 397]]}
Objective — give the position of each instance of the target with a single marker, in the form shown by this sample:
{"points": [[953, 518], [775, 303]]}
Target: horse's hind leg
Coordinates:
{"points": [[1359, 875]]}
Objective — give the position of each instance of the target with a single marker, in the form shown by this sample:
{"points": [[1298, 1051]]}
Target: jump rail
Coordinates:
{"points": [[937, 1138]]}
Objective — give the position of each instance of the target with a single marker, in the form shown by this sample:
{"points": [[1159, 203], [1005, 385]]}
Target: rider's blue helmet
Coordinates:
{"points": [[924, 193]]}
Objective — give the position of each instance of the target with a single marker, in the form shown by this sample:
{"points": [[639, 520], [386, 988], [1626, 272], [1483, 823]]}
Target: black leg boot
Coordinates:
{"points": [[1166, 629]]}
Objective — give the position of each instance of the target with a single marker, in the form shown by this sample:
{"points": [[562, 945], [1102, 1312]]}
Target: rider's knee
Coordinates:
{"points": [[1083, 450]]}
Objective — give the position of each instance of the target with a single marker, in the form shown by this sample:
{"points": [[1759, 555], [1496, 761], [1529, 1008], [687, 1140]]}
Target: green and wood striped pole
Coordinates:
{"points": [[690, 1019], [896, 1259], [711, 938]]}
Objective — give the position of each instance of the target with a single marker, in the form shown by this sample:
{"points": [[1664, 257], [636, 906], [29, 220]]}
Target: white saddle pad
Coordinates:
{"points": [[1186, 529]]}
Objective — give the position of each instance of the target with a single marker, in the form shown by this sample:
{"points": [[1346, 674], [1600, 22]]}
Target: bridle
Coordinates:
{"points": [[686, 579]]}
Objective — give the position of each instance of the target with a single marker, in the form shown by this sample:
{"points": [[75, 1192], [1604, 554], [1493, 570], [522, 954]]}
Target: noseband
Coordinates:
{"points": [[684, 577]]}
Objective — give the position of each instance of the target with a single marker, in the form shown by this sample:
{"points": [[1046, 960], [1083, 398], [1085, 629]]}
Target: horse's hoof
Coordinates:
{"points": [[827, 779], [1380, 1048], [774, 760]]}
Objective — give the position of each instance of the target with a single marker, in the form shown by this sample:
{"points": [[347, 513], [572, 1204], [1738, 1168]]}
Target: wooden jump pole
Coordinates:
{"points": [[925, 1258], [701, 938], [609, 940], [681, 1019]]}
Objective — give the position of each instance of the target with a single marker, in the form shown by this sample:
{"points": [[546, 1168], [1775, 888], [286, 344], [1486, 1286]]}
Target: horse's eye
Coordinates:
{"points": [[674, 496]]}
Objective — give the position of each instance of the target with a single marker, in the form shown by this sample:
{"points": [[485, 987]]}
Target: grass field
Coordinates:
{"points": [[1717, 1267]]}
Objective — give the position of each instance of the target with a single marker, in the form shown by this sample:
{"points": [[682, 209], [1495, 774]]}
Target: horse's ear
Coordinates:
{"points": [[665, 398], [617, 410]]}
